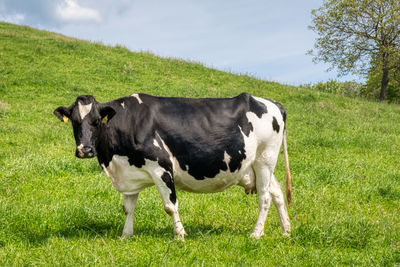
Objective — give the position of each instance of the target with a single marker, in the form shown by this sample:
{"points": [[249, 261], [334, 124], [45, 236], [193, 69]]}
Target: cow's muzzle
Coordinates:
{"points": [[84, 152]]}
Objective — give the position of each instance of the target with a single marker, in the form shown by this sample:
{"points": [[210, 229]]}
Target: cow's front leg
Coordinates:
{"points": [[166, 188], [129, 209]]}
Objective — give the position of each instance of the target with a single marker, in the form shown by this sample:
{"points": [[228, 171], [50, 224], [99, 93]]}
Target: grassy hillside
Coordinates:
{"points": [[58, 210]]}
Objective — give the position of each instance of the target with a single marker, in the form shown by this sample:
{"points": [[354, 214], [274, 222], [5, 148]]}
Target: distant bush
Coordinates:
{"points": [[369, 90], [350, 88]]}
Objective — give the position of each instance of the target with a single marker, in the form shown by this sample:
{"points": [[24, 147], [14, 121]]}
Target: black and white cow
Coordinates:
{"points": [[199, 145]]}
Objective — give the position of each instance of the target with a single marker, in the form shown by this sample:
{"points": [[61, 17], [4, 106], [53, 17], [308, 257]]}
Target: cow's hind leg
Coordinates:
{"points": [[263, 180], [166, 188], [129, 209], [279, 201]]}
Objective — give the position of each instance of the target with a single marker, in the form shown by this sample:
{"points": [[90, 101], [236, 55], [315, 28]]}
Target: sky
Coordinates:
{"points": [[264, 39]]}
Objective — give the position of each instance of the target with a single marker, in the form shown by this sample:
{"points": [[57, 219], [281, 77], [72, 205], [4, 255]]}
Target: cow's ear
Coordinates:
{"points": [[62, 113], [106, 113]]}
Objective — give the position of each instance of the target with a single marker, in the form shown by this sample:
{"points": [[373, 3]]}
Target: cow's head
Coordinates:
{"points": [[88, 118]]}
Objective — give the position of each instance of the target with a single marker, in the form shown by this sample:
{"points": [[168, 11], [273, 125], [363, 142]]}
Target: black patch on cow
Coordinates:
{"points": [[166, 177], [275, 124]]}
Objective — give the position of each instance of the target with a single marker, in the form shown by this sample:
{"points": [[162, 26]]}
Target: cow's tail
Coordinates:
{"points": [[288, 176]]}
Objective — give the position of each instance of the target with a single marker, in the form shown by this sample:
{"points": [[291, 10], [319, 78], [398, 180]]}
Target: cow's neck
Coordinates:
{"points": [[104, 147], [112, 142]]}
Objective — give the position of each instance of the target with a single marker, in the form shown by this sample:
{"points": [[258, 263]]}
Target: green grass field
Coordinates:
{"points": [[58, 210]]}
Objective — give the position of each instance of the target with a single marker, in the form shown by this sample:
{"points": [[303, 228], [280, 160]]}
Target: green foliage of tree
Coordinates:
{"points": [[353, 32]]}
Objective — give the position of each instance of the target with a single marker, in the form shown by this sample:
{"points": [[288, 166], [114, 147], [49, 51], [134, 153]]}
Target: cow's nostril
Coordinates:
{"points": [[86, 149]]}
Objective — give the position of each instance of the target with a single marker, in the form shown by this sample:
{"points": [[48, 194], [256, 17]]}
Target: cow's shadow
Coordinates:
{"points": [[92, 229], [194, 231]]}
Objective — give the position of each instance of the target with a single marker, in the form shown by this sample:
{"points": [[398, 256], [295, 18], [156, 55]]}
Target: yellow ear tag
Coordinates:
{"points": [[65, 118], [105, 119]]}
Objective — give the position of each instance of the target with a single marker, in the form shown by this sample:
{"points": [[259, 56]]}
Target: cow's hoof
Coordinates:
{"points": [[286, 234], [286, 230], [257, 235], [126, 234], [181, 236]]}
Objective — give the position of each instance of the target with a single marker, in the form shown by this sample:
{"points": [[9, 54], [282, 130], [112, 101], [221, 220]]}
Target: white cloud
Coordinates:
{"points": [[14, 18], [70, 11]]}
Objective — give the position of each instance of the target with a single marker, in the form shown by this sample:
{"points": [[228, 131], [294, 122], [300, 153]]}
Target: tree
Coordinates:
{"points": [[353, 33]]}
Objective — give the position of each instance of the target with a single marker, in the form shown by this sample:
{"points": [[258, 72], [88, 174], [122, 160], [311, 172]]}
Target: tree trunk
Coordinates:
{"points": [[385, 75], [384, 84]]}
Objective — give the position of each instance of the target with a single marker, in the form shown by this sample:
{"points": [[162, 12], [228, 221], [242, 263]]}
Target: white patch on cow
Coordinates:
{"points": [[138, 98], [84, 109], [155, 143], [171, 157], [227, 159], [80, 146], [123, 105], [129, 179]]}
